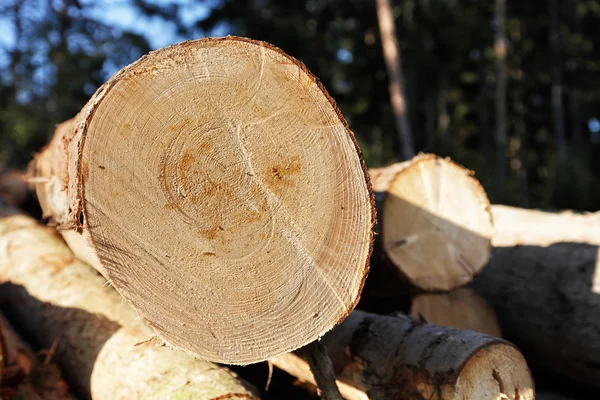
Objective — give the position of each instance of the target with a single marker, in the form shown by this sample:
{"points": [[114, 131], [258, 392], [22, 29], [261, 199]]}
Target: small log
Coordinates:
{"points": [[516, 226], [397, 358], [462, 308], [195, 174], [22, 374], [435, 222], [548, 303], [99, 340]]}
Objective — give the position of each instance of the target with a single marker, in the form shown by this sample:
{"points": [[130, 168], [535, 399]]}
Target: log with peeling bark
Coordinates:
{"points": [[381, 357], [435, 223], [222, 193], [517, 226], [548, 303], [461, 308], [99, 339], [22, 374]]}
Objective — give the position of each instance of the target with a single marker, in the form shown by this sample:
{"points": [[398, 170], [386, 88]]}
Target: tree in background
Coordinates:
{"points": [[393, 63]]}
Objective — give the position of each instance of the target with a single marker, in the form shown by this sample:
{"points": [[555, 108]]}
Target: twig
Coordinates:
{"points": [[315, 354]]}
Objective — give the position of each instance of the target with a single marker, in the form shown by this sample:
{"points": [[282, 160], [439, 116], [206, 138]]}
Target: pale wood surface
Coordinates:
{"points": [[224, 197], [385, 357], [435, 222], [101, 345], [461, 308], [518, 226]]}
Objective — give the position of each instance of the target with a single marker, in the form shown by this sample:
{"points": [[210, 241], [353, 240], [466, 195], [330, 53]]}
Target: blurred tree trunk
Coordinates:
{"points": [[482, 112], [393, 63], [521, 135], [430, 116], [443, 119], [557, 104], [500, 53], [575, 117]]}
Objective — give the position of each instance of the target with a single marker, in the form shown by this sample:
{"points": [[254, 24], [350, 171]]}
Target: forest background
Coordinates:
{"points": [[508, 88]]}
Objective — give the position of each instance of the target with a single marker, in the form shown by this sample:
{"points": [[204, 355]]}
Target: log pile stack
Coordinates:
{"points": [[216, 210]]}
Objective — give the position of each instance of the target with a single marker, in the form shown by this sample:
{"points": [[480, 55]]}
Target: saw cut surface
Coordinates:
{"points": [[436, 224], [226, 199]]}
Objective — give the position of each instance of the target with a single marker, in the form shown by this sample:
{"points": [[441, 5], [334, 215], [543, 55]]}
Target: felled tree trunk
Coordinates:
{"points": [[22, 374], [517, 226], [100, 344], [548, 303], [398, 358], [435, 223], [462, 308], [195, 174]]}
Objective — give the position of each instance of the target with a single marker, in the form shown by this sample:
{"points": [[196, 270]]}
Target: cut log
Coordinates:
{"points": [[435, 222], [22, 374], [462, 308], [516, 226], [223, 194], [548, 303], [398, 358], [55, 297]]}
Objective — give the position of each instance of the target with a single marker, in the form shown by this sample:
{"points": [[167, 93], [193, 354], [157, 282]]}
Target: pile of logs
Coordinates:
{"points": [[209, 207]]}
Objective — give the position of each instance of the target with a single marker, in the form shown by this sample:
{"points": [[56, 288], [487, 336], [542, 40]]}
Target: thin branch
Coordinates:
{"points": [[321, 367]]}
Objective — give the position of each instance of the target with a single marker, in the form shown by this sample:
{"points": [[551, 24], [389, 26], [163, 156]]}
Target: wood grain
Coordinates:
{"points": [[223, 195]]}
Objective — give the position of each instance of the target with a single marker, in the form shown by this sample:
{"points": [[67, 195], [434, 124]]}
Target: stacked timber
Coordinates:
{"points": [[98, 339], [543, 281], [215, 185]]}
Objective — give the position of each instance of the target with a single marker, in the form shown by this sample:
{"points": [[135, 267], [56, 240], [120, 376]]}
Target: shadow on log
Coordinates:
{"points": [[437, 254], [548, 303], [55, 297]]}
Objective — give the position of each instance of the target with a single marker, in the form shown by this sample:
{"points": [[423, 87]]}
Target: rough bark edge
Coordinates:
{"points": [[76, 191], [470, 174]]}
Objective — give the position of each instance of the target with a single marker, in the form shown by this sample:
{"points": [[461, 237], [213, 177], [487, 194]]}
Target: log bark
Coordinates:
{"points": [[22, 374], [462, 308], [435, 225], [548, 303], [55, 297], [517, 226], [195, 174], [398, 358]]}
